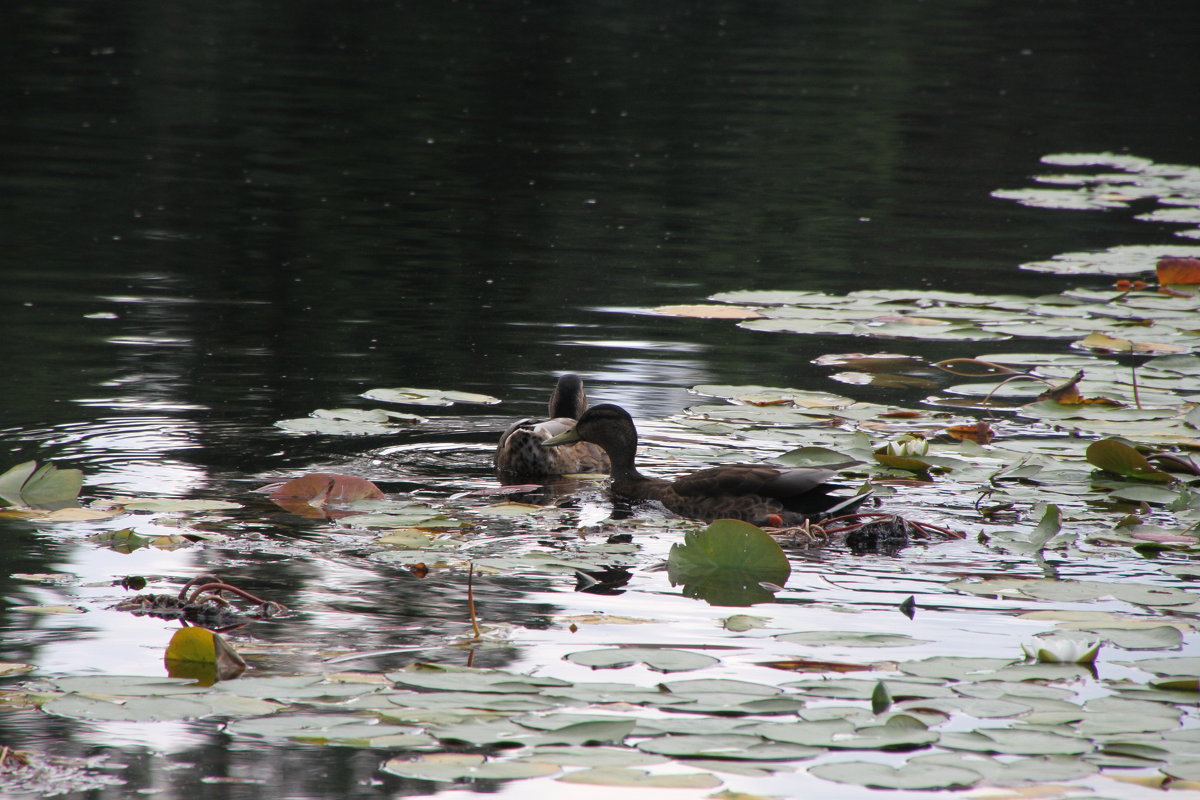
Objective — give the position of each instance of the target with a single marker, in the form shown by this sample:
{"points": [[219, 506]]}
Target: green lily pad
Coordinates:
{"points": [[465, 679], [1017, 772], [27, 484], [621, 776], [464, 766], [660, 659], [428, 397], [908, 776], [849, 639], [726, 562], [1015, 742], [1114, 455], [727, 745]]}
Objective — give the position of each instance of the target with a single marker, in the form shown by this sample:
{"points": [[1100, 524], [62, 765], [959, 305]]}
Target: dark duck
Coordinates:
{"points": [[758, 493]]}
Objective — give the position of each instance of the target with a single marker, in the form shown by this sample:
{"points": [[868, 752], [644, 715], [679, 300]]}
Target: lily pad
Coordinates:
{"points": [[27, 484], [464, 766], [622, 776], [908, 776], [849, 639], [660, 659], [428, 397]]}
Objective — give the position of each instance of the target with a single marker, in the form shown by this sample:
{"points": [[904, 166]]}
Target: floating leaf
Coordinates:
{"points": [[200, 653], [47, 486], [169, 505], [909, 776], [318, 488], [725, 745], [707, 312], [1116, 456], [622, 776], [464, 766], [849, 639], [1179, 270], [726, 562], [428, 397], [660, 659], [1015, 742]]}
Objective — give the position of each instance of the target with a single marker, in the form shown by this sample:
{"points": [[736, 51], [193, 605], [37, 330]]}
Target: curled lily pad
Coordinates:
{"points": [[28, 484], [1116, 456]]}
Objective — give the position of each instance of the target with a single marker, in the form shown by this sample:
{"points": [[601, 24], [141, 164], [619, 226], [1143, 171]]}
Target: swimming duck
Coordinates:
{"points": [[757, 493], [520, 450]]}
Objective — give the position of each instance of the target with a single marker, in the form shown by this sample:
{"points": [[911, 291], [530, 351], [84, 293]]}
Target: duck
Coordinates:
{"points": [[520, 451], [761, 494]]}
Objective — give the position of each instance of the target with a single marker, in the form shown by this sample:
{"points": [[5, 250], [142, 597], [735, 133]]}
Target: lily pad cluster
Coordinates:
{"points": [[1103, 181], [960, 721]]}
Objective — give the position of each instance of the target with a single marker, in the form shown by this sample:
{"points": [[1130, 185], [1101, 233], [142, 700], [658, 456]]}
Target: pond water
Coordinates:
{"points": [[221, 216]]}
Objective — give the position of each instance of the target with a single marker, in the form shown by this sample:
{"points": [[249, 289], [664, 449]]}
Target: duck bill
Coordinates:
{"points": [[566, 437]]}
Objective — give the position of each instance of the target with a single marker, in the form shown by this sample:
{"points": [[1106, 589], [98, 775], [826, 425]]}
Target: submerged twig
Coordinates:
{"points": [[471, 599]]}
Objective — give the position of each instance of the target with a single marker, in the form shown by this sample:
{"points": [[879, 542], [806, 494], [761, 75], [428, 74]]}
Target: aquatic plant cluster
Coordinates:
{"points": [[1063, 452]]}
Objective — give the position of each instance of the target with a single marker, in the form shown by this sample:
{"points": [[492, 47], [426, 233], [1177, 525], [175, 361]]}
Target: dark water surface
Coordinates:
{"points": [[219, 215]]}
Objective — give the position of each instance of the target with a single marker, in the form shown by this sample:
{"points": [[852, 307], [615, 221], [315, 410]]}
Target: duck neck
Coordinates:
{"points": [[623, 469]]}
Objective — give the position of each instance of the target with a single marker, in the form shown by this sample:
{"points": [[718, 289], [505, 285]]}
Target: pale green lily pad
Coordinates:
{"points": [[170, 505], [882, 776], [1179, 665], [740, 623], [132, 709], [660, 659], [350, 422], [620, 776], [862, 689], [1161, 637], [1076, 591], [465, 766], [581, 756], [27, 484], [705, 687], [982, 708], [898, 732], [727, 745], [427, 397], [1183, 769], [1018, 772], [465, 679], [954, 667], [1015, 742], [331, 729], [691, 724], [850, 639], [501, 703], [294, 687], [773, 395], [127, 685]]}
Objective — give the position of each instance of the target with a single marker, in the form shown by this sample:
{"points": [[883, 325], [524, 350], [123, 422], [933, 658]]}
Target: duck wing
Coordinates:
{"points": [[520, 451], [751, 479]]}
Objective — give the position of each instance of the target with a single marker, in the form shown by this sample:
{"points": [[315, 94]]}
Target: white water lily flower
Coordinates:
{"points": [[1062, 650], [908, 446]]}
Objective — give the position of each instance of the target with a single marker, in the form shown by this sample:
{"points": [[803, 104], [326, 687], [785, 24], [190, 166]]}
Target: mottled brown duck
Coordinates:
{"points": [[520, 452], [757, 493]]}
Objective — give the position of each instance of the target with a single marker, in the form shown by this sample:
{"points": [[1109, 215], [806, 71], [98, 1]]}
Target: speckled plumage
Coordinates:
{"points": [[752, 492], [520, 451]]}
